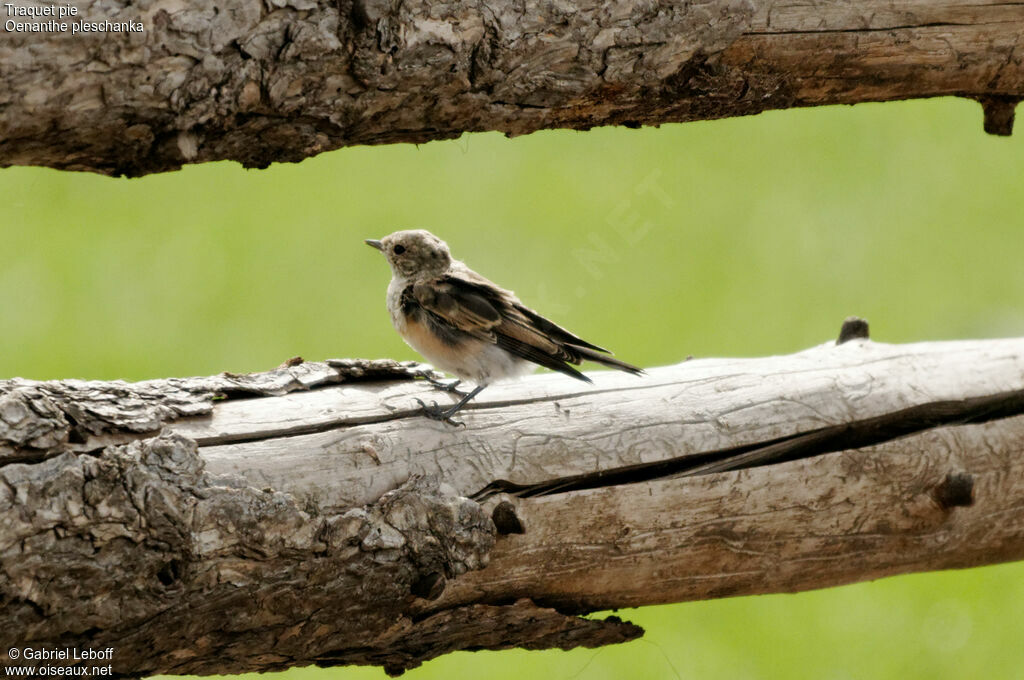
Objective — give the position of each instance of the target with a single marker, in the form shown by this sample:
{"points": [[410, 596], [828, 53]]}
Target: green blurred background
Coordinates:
{"points": [[747, 237]]}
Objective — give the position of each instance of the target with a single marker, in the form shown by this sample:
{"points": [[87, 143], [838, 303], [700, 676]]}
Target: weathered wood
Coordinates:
{"points": [[280, 81], [310, 515], [844, 517]]}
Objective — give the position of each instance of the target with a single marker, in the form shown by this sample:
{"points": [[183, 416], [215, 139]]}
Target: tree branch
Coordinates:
{"points": [[283, 80], [310, 515]]}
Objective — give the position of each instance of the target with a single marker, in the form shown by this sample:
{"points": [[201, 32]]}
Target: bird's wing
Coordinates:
{"points": [[548, 327], [566, 346], [553, 330], [459, 307], [485, 311]]}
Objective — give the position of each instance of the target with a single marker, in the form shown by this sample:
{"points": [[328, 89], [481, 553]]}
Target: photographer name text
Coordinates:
{"points": [[65, 654]]}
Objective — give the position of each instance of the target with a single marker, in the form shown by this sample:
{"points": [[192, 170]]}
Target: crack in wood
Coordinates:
{"points": [[845, 436], [398, 414], [883, 29]]}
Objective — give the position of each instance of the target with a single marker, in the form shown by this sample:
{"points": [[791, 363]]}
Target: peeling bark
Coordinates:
{"points": [[140, 549], [310, 515], [260, 82], [39, 419]]}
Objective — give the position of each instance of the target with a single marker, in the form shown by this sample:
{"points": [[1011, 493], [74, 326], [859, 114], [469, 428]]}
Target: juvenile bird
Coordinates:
{"points": [[468, 326]]}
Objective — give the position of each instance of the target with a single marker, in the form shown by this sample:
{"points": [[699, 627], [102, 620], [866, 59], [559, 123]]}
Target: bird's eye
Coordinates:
{"points": [[398, 249]]}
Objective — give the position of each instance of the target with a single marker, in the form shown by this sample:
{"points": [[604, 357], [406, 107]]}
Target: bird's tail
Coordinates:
{"points": [[612, 362]]}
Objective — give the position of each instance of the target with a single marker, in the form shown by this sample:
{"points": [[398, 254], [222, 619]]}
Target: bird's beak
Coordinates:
{"points": [[375, 243]]}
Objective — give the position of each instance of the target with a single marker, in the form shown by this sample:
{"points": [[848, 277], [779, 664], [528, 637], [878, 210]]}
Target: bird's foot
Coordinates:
{"points": [[450, 387], [435, 412]]}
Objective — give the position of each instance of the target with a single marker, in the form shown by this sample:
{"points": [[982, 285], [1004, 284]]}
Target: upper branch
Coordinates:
{"points": [[282, 80]]}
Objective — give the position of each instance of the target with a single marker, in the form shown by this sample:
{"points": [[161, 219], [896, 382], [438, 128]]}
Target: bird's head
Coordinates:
{"points": [[414, 253]]}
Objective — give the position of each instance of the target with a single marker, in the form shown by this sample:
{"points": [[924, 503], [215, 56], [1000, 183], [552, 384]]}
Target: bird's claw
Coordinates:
{"points": [[435, 412]]}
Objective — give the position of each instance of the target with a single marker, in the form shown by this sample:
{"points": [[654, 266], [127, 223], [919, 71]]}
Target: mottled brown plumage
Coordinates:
{"points": [[470, 327]]}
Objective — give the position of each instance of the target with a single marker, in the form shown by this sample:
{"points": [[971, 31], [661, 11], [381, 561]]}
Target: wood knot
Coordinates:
{"points": [[505, 519], [955, 491], [430, 586], [853, 328]]}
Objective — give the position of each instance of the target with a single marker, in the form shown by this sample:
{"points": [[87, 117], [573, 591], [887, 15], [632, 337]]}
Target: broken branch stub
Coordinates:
{"points": [[311, 515]]}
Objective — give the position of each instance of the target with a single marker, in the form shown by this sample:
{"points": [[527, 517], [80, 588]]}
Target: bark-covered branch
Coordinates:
{"points": [[311, 515], [280, 80]]}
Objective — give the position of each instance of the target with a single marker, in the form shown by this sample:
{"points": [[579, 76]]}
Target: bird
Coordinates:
{"points": [[468, 326]]}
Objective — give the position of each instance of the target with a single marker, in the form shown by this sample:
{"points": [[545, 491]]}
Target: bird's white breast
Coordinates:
{"points": [[394, 302]]}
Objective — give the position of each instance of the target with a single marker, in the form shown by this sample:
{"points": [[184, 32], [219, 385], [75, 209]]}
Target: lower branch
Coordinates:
{"points": [[311, 515]]}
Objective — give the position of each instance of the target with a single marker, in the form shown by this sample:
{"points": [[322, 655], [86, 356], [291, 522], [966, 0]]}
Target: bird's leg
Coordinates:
{"points": [[435, 412]]}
